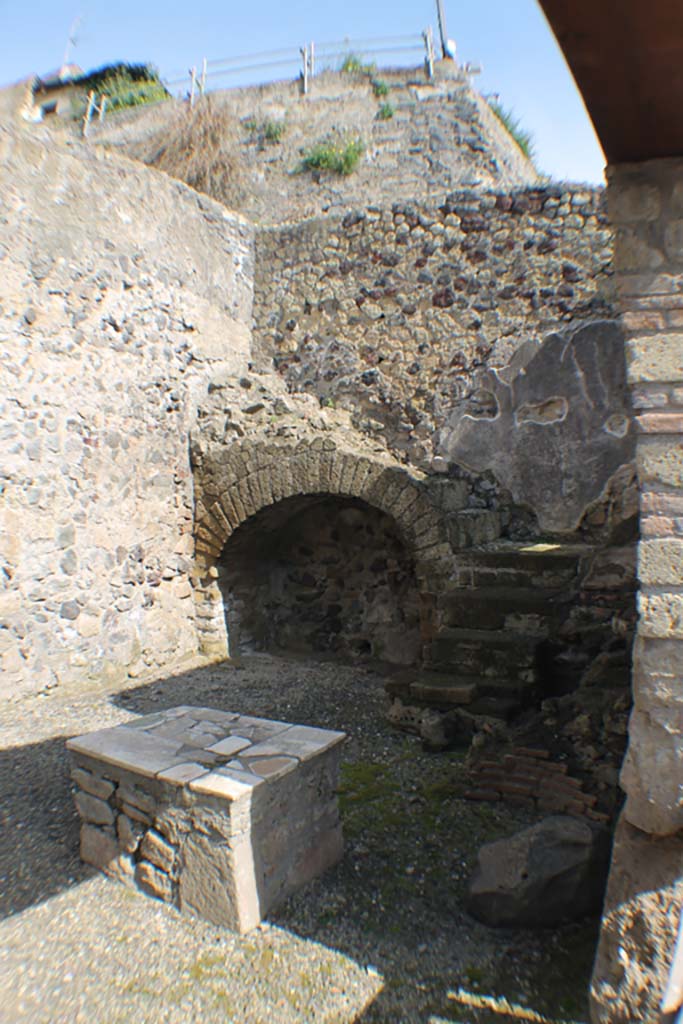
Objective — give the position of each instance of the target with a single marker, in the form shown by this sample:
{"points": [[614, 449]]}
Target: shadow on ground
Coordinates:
{"points": [[38, 826]]}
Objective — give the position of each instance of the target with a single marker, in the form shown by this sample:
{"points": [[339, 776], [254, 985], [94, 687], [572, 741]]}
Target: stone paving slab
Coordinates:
{"points": [[158, 744]]}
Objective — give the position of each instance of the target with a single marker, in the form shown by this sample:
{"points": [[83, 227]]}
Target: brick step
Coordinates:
{"points": [[499, 638], [440, 690], [495, 670]]}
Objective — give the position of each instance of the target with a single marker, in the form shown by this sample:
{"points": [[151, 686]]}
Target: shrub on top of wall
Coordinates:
{"points": [[201, 147]]}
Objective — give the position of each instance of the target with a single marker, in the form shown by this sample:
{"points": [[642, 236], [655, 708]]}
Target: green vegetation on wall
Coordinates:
{"points": [[353, 65], [266, 131], [340, 158], [273, 131]]}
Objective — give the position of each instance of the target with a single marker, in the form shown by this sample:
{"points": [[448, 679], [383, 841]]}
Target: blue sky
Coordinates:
{"points": [[508, 38]]}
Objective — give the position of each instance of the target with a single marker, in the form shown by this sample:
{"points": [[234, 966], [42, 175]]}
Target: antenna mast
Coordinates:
{"points": [[71, 39]]}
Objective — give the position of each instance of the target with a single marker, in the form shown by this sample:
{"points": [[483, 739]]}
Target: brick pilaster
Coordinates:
{"points": [[646, 207], [645, 889]]}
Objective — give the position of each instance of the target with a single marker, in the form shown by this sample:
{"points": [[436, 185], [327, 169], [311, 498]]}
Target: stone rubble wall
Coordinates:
{"points": [[645, 889], [380, 324], [122, 293], [403, 315]]}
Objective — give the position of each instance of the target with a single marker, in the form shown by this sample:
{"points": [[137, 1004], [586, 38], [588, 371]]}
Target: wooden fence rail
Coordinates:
{"points": [[306, 60]]}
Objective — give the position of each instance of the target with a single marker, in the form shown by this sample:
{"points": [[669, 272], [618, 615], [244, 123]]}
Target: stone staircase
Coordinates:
{"points": [[496, 626]]}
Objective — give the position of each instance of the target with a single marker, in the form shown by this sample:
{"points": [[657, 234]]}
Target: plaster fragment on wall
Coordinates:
{"points": [[552, 410], [617, 425]]}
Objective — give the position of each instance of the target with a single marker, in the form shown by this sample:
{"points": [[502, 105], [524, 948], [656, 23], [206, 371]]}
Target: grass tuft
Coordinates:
{"points": [[273, 131], [353, 65], [267, 131], [522, 137]]}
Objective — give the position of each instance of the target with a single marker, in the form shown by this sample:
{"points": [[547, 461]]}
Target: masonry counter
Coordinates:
{"points": [[220, 814]]}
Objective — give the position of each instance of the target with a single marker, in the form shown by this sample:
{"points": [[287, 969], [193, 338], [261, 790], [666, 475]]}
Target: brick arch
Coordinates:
{"points": [[252, 476]]}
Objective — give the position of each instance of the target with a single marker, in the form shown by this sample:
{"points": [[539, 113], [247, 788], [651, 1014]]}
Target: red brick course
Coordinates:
{"points": [[529, 778]]}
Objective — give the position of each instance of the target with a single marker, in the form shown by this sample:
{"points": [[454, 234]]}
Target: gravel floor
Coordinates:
{"points": [[383, 937]]}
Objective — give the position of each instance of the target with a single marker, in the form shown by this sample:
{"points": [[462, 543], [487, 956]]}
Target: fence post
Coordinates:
{"points": [[88, 113], [103, 106], [202, 87], [429, 47], [304, 54], [312, 58], [193, 82]]}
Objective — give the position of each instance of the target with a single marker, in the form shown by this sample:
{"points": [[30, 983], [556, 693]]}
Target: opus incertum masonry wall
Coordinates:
{"points": [[144, 324]]}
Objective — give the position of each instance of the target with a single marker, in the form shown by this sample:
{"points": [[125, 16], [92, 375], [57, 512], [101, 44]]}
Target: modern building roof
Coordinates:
{"points": [[62, 76]]}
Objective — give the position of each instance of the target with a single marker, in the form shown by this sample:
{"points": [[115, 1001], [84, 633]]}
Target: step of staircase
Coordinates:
{"points": [[501, 607], [504, 654], [446, 691], [421, 686], [508, 564]]}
